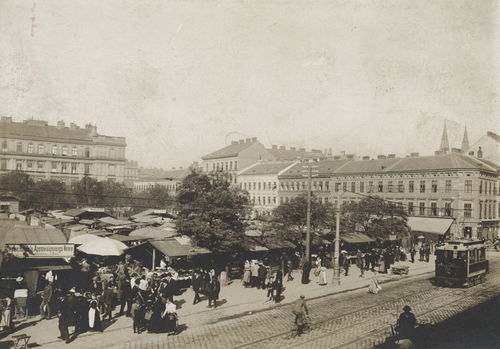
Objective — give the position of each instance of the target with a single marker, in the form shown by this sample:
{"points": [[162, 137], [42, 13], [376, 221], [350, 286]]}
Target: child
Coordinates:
{"points": [[137, 315], [270, 286]]}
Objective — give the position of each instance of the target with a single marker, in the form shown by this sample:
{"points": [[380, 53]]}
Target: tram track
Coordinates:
{"points": [[319, 330]]}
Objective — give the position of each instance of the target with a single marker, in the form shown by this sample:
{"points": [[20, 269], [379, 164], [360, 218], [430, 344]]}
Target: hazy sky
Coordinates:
{"points": [[181, 78]]}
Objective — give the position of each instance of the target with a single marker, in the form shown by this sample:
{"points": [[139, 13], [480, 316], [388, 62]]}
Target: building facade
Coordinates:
{"points": [[451, 185], [59, 152], [260, 180], [171, 180], [246, 152]]}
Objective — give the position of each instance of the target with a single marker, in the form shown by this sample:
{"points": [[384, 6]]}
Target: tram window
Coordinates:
{"points": [[482, 254], [472, 256], [462, 255]]}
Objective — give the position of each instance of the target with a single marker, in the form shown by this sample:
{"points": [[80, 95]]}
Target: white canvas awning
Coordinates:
{"points": [[429, 225]]}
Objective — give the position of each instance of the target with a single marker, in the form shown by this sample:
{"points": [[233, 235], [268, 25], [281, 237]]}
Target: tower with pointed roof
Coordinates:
{"points": [[445, 145], [465, 141]]}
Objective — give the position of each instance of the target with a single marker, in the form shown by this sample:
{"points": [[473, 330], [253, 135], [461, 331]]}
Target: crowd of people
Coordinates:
{"points": [[256, 274]]}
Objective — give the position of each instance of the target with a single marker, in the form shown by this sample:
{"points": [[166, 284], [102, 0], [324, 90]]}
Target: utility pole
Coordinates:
{"points": [[309, 171], [336, 266]]}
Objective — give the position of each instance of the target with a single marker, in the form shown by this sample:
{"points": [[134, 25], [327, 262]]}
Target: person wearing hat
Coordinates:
{"points": [[65, 317], [196, 284], [406, 323], [300, 311]]}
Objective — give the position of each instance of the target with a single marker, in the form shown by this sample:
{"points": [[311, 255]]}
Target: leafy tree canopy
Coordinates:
{"points": [[212, 212]]}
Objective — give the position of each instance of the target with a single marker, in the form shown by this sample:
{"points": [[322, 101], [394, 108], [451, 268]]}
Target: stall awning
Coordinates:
{"points": [[14, 232], [437, 226], [173, 248], [356, 238]]}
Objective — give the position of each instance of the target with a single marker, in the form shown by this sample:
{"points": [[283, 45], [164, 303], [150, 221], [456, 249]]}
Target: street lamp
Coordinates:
{"points": [[336, 266]]}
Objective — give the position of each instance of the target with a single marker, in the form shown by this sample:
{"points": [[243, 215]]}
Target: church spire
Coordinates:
{"points": [[465, 141], [445, 146]]}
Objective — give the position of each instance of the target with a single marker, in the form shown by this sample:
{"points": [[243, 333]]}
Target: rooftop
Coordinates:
{"points": [[231, 150], [263, 168]]}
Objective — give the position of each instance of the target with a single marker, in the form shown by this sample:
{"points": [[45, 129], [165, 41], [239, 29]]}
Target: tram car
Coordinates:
{"points": [[461, 263]]}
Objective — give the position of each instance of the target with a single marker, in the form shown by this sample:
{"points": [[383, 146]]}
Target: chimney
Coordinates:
{"points": [[471, 153], [414, 155], [73, 126], [234, 142], [254, 139], [282, 147], [479, 153], [60, 124], [248, 140], [242, 141], [391, 156], [292, 148], [275, 146], [380, 157], [366, 158]]}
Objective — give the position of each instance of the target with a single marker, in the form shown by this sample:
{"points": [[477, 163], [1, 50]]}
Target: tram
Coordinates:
{"points": [[461, 263]]}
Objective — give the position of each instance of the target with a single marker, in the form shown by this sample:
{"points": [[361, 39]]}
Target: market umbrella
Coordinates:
{"points": [[82, 239], [103, 247], [421, 237]]}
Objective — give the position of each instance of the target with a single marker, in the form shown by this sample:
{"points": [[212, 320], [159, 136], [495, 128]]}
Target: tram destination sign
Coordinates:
{"points": [[41, 250]]}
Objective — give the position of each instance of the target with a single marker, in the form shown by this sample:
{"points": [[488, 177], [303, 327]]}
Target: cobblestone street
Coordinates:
{"points": [[353, 319]]}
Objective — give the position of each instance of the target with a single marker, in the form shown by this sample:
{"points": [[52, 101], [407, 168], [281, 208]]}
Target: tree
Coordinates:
{"points": [[290, 219], [212, 212], [376, 217], [56, 191], [20, 185], [159, 196], [89, 191]]}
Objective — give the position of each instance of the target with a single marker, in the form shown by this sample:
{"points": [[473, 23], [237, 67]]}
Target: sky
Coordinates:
{"points": [[182, 78]]}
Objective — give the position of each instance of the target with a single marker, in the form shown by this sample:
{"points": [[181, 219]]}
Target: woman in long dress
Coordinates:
{"points": [[157, 323], [322, 276], [374, 286], [170, 317], [247, 274]]}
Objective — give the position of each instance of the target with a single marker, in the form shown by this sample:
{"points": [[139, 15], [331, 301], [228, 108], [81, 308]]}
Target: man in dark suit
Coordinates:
{"points": [[196, 284], [262, 274]]}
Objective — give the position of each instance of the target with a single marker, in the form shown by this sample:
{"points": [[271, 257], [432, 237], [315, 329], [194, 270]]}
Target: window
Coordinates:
{"points": [[422, 186], [468, 210], [421, 209], [261, 184], [29, 165], [303, 185], [30, 148], [389, 186], [361, 187], [74, 152], [337, 187], [353, 187], [327, 185], [344, 186], [254, 185], [447, 209], [3, 164], [480, 187], [4, 145], [320, 185], [235, 165], [410, 208], [19, 165], [447, 186], [410, 186], [54, 149], [315, 185], [434, 186], [468, 186], [87, 169], [370, 186], [401, 187], [87, 154], [269, 200], [480, 209], [433, 209], [39, 165], [65, 150], [269, 186], [19, 147], [245, 186], [64, 168], [380, 187], [53, 166], [41, 149], [274, 200]]}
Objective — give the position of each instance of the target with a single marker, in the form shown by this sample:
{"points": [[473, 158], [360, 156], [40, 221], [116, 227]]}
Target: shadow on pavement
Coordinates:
{"points": [[474, 328]]}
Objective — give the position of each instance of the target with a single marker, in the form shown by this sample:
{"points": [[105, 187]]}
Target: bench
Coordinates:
{"points": [[21, 341]]}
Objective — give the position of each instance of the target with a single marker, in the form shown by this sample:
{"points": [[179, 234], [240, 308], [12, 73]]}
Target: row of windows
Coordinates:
{"points": [[258, 200], [144, 187], [423, 186], [487, 209], [222, 165], [55, 166], [488, 187], [40, 149], [258, 186]]}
